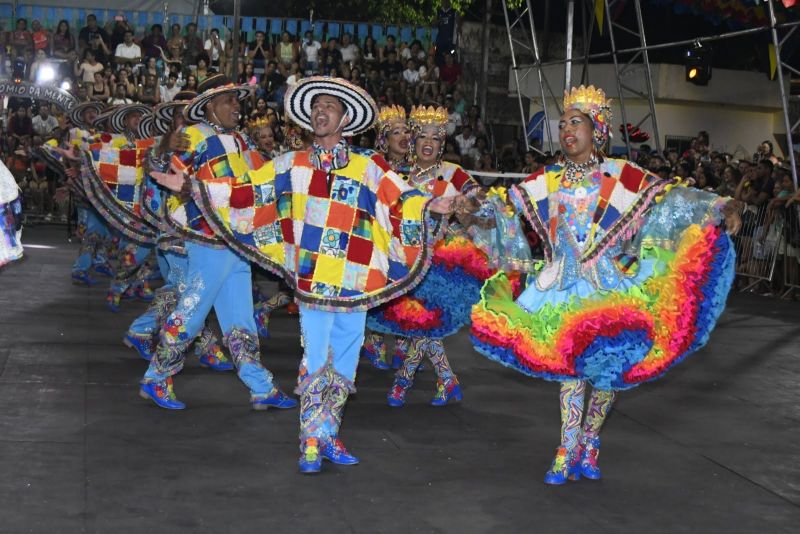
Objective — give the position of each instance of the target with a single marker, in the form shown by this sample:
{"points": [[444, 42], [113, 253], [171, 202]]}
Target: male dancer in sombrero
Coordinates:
{"points": [[216, 276], [112, 175], [345, 229], [92, 228], [164, 125]]}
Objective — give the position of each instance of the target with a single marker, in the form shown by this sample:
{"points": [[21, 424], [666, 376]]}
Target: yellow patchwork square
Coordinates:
{"points": [[329, 270], [380, 237], [238, 165], [299, 201]]}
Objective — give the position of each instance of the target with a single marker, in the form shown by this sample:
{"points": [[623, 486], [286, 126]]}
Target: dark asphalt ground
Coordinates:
{"points": [[713, 447]]}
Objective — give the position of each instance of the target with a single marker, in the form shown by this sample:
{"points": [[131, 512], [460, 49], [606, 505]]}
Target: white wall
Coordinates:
{"points": [[736, 108]]}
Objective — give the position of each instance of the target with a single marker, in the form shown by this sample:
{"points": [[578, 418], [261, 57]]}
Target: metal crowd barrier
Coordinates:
{"points": [[791, 251], [758, 245]]}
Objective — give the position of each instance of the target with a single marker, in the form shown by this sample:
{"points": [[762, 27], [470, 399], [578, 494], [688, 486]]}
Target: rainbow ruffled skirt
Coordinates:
{"points": [[441, 304], [618, 339]]}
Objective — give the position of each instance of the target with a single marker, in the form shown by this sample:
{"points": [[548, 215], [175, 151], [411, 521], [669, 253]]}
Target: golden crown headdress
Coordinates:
{"points": [[391, 114], [586, 98], [428, 116], [259, 122]]}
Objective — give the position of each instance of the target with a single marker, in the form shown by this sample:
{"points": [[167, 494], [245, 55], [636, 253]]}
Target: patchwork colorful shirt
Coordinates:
{"points": [[153, 203], [113, 175], [348, 239], [213, 154], [587, 227], [445, 180]]}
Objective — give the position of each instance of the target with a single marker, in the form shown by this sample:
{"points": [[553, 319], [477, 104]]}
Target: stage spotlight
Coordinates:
{"points": [[45, 74], [65, 85], [698, 64]]}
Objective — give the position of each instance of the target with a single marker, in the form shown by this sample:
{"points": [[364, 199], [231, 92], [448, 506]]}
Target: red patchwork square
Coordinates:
{"points": [[127, 157], [108, 173], [631, 178], [375, 280], [304, 284], [359, 250], [264, 215], [319, 184], [411, 254], [340, 216], [287, 229], [242, 197], [395, 225]]}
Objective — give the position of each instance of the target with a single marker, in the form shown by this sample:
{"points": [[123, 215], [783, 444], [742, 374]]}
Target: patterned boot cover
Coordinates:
{"points": [[243, 347]]}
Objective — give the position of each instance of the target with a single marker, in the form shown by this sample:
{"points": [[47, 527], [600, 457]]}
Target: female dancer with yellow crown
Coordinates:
{"points": [[393, 142], [636, 274], [441, 304]]}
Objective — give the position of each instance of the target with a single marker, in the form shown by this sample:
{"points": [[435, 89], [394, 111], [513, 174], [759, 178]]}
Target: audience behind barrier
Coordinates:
{"points": [[111, 62]]}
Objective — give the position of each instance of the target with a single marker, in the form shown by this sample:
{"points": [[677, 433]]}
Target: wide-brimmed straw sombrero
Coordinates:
{"points": [[117, 119], [101, 121], [212, 87], [149, 127], [164, 113], [75, 115], [359, 105]]}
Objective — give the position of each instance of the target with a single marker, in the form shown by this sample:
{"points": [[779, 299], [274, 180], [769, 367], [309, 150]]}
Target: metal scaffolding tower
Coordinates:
{"points": [[521, 18], [527, 46]]}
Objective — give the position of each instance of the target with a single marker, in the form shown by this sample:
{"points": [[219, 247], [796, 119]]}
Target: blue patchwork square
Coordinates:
{"points": [[311, 238], [266, 235], [318, 288], [306, 263], [264, 194], [283, 182], [397, 270], [334, 243], [346, 191], [246, 239], [125, 193], [367, 200], [610, 216], [411, 233]]}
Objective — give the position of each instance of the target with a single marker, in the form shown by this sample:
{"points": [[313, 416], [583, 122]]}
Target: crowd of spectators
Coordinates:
{"points": [[115, 63]]}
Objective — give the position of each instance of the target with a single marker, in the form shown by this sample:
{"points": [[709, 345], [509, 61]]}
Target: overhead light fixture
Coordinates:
{"points": [[698, 64]]}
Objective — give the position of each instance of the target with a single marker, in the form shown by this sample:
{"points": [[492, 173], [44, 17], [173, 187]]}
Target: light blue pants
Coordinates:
{"points": [[95, 234], [173, 269], [220, 279], [338, 335]]}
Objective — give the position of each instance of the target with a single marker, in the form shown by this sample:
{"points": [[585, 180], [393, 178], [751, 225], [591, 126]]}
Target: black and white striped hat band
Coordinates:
{"points": [[359, 106]]}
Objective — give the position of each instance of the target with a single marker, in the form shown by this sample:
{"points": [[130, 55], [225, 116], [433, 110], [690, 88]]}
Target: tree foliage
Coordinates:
{"points": [[419, 12]]}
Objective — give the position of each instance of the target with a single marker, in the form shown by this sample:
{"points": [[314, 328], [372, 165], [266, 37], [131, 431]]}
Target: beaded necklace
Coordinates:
{"points": [[576, 172]]}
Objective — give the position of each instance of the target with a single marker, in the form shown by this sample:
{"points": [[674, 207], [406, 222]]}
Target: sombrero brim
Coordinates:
{"points": [[75, 114], [100, 122], [166, 112], [195, 111], [146, 127], [359, 104], [117, 119]]}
